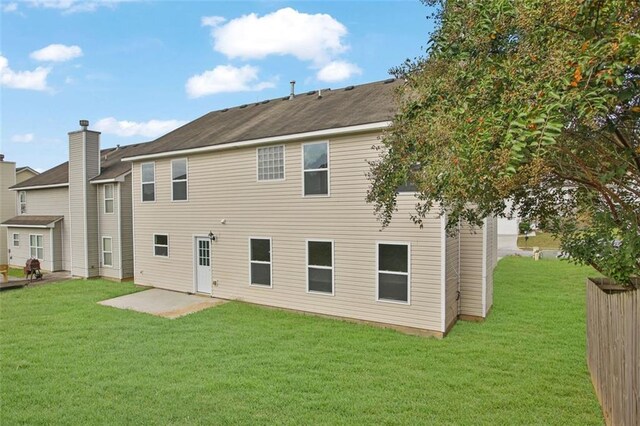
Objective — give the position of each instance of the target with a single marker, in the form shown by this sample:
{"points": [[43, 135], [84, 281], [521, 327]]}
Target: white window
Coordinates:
{"points": [[260, 261], [108, 198], [107, 251], [179, 180], [22, 197], [16, 240], [161, 245], [271, 163], [148, 179], [36, 247], [320, 266], [393, 272], [315, 164]]}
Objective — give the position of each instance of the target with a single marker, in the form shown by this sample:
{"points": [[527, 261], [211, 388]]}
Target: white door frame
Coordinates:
{"points": [[195, 261]]}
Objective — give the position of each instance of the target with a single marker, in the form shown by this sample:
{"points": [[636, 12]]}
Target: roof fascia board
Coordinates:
{"points": [[262, 141], [25, 188], [120, 178]]}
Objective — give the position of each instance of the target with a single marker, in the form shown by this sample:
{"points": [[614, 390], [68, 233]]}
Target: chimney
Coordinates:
{"points": [[84, 165], [293, 92], [1, 157]]}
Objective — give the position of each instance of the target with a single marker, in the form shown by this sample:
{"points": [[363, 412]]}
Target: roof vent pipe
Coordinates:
{"points": [[84, 124], [319, 93], [293, 93]]}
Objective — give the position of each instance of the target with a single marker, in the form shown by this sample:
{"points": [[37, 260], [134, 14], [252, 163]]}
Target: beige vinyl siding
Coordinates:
{"points": [[24, 175], [471, 269], [7, 203], [108, 226], [56, 234], [84, 164], [224, 186], [452, 279], [52, 202], [126, 228]]}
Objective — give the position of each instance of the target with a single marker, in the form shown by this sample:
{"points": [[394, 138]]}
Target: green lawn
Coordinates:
{"points": [[16, 272], [543, 240], [66, 360]]}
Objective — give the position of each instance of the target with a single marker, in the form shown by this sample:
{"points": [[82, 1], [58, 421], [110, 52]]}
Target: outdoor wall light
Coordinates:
{"points": [[211, 236]]}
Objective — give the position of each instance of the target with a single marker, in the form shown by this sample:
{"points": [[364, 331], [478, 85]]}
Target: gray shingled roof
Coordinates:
{"points": [[111, 167], [350, 106], [32, 220], [306, 112]]}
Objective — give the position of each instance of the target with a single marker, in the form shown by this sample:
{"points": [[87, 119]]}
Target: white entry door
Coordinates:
{"points": [[203, 265]]}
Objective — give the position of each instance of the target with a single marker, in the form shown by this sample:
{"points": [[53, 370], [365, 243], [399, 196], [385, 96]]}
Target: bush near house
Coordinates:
{"points": [[65, 359]]}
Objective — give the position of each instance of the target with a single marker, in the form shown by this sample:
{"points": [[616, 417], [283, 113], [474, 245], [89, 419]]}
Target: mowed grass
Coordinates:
{"points": [[544, 240], [67, 360]]}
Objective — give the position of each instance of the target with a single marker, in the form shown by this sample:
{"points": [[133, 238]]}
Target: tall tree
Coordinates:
{"points": [[534, 101]]}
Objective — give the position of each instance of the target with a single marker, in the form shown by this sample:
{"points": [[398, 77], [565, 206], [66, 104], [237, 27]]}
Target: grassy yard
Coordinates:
{"points": [[65, 359], [543, 240], [16, 272]]}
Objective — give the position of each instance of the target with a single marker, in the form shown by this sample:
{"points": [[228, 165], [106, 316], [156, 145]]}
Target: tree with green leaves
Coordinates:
{"points": [[533, 101]]}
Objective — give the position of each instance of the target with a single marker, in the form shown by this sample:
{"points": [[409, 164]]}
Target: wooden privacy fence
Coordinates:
{"points": [[613, 350]]}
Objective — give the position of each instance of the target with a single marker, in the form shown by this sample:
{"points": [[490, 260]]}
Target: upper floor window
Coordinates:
{"points": [[148, 179], [393, 272], [271, 163], [315, 159], [108, 198], [22, 197], [179, 179]]}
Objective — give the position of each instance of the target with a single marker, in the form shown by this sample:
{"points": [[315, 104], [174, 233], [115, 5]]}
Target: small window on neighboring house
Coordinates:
{"points": [[271, 163], [107, 251], [260, 261], [16, 240], [393, 272], [161, 245], [179, 180], [315, 168], [36, 247], [320, 266], [108, 198], [148, 179], [22, 196]]}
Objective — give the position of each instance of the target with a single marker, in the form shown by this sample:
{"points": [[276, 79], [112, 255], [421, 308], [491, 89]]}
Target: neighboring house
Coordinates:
{"points": [[9, 175], [76, 216], [266, 203]]}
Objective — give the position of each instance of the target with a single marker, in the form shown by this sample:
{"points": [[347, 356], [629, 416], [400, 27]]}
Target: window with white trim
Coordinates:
{"points": [[16, 240], [22, 198], [270, 162], [320, 266], [393, 272], [315, 164], [107, 251], [260, 261], [161, 245], [179, 184], [148, 179], [36, 246], [108, 198]]}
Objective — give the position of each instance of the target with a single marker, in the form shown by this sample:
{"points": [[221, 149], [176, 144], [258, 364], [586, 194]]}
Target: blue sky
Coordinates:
{"points": [[138, 69]]}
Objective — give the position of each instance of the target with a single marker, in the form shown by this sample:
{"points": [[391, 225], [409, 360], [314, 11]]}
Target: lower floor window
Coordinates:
{"points": [[260, 261], [107, 251], [161, 245], [320, 266], [36, 246], [393, 272], [16, 240]]}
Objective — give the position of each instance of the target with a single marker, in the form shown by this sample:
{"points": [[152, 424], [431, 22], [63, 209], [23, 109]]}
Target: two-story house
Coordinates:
{"points": [[266, 203], [76, 216]]}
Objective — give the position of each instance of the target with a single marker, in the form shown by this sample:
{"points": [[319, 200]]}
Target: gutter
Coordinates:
{"points": [[26, 188]]}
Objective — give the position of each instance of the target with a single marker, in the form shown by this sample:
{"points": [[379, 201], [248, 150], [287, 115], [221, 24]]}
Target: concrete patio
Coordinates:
{"points": [[163, 303]]}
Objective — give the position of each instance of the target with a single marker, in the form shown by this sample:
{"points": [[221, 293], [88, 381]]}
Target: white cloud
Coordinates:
{"points": [[10, 7], [226, 78], [148, 129], [314, 38], [57, 53], [338, 71], [24, 138], [74, 6], [212, 21], [29, 80]]}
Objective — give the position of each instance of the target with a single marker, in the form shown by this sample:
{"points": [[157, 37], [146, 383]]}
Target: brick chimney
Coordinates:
{"points": [[84, 165]]}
